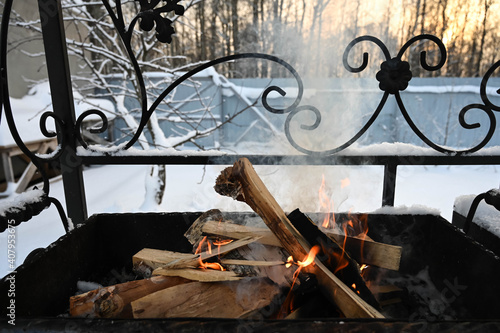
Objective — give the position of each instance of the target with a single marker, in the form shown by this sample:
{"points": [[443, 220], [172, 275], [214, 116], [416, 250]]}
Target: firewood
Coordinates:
{"points": [[114, 301], [195, 260], [207, 300], [147, 259], [242, 183], [369, 252], [251, 262], [198, 274], [193, 234], [372, 253], [333, 255], [151, 258], [236, 231]]}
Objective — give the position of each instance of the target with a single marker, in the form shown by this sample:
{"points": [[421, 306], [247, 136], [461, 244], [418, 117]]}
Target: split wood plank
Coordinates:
{"points": [[370, 252], [198, 274], [153, 258], [251, 262], [242, 183], [194, 261], [114, 301], [236, 231], [207, 300]]}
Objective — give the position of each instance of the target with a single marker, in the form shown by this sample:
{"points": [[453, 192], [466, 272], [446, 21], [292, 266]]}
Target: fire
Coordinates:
{"points": [[308, 260], [220, 242], [354, 288], [310, 257], [206, 265]]}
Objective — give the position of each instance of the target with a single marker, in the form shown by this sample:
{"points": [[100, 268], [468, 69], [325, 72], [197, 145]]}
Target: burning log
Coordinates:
{"points": [[364, 251], [114, 301], [334, 256], [208, 300], [242, 183]]}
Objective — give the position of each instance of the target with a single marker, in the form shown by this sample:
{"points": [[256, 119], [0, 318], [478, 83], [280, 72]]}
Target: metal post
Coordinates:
{"points": [[389, 190], [56, 54]]}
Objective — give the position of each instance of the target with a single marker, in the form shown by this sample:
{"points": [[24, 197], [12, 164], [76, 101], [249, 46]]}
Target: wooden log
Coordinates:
{"points": [[370, 252], [198, 274], [365, 251], [114, 301], [242, 183], [207, 300]]}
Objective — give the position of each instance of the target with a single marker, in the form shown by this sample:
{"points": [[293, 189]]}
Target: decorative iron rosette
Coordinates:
{"points": [[394, 75]]}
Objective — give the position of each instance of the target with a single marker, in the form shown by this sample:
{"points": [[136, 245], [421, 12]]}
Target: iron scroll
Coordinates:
{"points": [[393, 77]]}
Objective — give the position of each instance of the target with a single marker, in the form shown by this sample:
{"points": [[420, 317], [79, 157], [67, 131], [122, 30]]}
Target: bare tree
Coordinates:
{"points": [[111, 68]]}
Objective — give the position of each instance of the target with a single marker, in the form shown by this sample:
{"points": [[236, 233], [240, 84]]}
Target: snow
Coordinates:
{"points": [[27, 112], [413, 210], [486, 216], [419, 190], [96, 150], [25, 198]]}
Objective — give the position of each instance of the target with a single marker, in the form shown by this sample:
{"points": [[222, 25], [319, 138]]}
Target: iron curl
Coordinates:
{"points": [[79, 121]]}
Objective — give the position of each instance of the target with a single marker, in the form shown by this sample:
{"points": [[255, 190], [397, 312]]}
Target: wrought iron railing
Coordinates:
{"points": [[394, 76]]}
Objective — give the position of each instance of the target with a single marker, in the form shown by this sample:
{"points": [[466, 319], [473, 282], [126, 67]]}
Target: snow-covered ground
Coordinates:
{"points": [[190, 188]]}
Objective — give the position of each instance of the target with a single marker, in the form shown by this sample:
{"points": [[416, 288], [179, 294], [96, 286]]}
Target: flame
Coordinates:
{"points": [[287, 305], [206, 265], [310, 257], [354, 288], [220, 242], [212, 265], [326, 205]]}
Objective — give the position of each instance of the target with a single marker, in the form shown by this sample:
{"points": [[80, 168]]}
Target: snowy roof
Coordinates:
{"points": [[28, 109]]}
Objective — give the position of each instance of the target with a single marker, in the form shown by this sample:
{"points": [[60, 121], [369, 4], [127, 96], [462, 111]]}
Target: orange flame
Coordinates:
{"points": [[220, 242], [310, 257], [287, 305], [205, 265]]}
